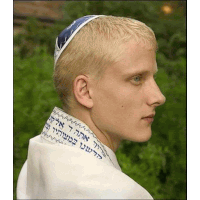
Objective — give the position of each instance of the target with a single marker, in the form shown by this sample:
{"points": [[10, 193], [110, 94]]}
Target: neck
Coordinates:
{"points": [[110, 141]]}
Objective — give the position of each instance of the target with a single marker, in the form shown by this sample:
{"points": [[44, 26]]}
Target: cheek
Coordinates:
{"points": [[118, 111], [130, 99], [112, 97], [117, 101]]}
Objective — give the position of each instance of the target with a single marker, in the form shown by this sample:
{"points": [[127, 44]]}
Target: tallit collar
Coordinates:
{"points": [[64, 129]]}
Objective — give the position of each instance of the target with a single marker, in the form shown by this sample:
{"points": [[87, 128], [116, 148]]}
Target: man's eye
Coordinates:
{"points": [[137, 79]]}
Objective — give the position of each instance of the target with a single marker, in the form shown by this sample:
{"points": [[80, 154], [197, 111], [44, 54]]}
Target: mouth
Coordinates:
{"points": [[149, 118]]}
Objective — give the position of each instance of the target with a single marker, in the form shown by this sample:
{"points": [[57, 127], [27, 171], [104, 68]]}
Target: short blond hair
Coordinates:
{"points": [[95, 47]]}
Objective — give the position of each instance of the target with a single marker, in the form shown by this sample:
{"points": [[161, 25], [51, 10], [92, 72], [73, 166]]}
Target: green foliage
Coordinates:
{"points": [[145, 166], [37, 34], [158, 165], [34, 99]]}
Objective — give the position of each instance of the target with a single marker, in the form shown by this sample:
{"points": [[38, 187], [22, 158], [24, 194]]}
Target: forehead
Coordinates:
{"points": [[135, 58]]}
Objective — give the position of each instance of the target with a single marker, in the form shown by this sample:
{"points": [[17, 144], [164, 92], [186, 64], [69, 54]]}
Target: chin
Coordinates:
{"points": [[144, 137]]}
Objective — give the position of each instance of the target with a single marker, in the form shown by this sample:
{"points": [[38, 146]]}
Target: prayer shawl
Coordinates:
{"points": [[67, 161]]}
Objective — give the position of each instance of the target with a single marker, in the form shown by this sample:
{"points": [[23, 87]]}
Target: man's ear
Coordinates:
{"points": [[81, 91]]}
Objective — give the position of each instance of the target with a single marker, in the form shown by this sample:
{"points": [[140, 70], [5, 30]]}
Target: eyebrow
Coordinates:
{"points": [[131, 74]]}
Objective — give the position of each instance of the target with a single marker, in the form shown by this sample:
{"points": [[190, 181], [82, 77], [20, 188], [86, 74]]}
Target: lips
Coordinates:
{"points": [[149, 118]]}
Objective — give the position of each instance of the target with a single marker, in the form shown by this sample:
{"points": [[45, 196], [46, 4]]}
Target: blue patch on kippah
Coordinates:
{"points": [[67, 32]]}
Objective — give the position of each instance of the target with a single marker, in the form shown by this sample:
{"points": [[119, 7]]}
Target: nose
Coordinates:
{"points": [[155, 96]]}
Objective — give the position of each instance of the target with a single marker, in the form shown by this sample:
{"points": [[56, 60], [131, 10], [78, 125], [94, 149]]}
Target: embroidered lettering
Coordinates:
{"points": [[74, 143], [59, 132], [95, 152], [81, 135], [70, 139], [84, 137], [51, 119], [88, 149], [47, 126], [98, 147], [98, 156], [70, 128], [61, 125], [76, 132], [57, 121], [81, 146], [85, 140], [55, 129]]}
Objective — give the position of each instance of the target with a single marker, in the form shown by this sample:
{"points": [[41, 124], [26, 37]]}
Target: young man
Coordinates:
{"points": [[104, 75]]}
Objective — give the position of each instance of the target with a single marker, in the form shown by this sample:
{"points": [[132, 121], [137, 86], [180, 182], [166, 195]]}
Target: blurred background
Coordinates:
{"points": [[159, 165]]}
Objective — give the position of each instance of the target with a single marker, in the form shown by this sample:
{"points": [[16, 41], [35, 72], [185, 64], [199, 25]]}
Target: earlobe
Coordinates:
{"points": [[81, 91]]}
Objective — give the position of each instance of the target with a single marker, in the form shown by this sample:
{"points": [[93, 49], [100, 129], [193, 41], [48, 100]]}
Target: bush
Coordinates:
{"points": [[34, 99]]}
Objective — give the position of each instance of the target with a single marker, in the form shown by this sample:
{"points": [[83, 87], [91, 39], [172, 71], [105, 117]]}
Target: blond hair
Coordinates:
{"points": [[95, 47]]}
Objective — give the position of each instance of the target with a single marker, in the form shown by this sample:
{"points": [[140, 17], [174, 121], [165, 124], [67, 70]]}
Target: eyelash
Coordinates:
{"points": [[137, 82], [141, 78]]}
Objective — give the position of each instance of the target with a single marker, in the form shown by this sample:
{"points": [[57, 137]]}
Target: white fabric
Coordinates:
{"points": [[67, 161]]}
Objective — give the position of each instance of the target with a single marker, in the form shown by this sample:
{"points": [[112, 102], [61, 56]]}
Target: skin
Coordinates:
{"points": [[115, 106]]}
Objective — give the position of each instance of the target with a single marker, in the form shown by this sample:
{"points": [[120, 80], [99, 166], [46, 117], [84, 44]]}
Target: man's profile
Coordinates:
{"points": [[104, 69]]}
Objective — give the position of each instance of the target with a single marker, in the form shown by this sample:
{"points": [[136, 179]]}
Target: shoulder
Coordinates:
{"points": [[110, 183], [64, 172]]}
